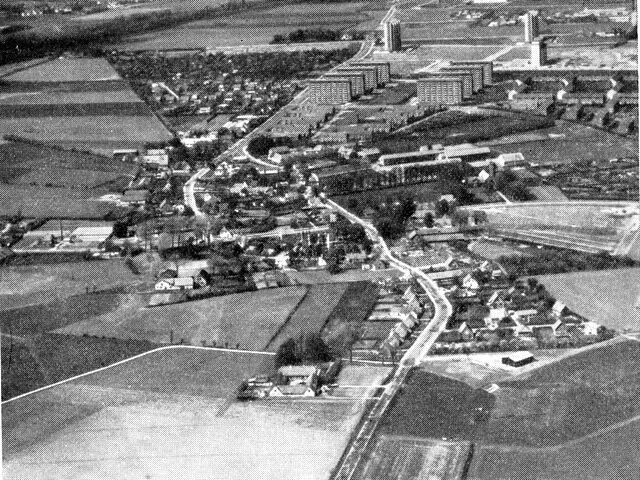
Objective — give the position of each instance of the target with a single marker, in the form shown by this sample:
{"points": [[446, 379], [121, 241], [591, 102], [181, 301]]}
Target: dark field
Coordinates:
{"points": [[392, 95], [75, 110], [431, 406], [311, 314], [610, 455], [39, 165], [420, 192], [48, 358]]}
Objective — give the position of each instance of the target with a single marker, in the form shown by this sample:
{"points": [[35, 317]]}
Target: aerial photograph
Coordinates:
{"points": [[319, 240]]}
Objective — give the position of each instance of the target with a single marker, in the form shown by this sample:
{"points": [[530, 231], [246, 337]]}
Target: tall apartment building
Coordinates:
{"points": [[356, 79], [440, 90], [392, 36], [531, 25], [476, 70], [327, 91], [370, 75], [464, 76], [539, 52], [487, 69], [384, 70]]}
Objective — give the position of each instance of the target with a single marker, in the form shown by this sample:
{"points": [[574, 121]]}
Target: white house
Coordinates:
{"points": [[182, 283]]}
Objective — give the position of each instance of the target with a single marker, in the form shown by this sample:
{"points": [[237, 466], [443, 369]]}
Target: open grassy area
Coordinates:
{"points": [[258, 26], [33, 284], [50, 202], [66, 70], [249, 319], [608, 297], [175, 410]]}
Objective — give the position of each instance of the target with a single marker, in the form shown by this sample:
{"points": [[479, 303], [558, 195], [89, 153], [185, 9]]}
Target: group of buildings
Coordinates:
{"points": [[454, 82], [348, 82]]}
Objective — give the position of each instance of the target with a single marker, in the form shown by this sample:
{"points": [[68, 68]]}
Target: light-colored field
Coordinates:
{"points": [[359, 380], [173, 417], [67, 70], [409, 458], [607, 297], [29, 285], [54, 97], [258, 27], [493, 249], [249, 319]]}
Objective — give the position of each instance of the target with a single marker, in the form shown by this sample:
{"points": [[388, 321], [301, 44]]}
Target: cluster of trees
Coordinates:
{"points": [[508, 183], [314, 35], [562, 261], [308, 348], [259, 145], [391, 219]]}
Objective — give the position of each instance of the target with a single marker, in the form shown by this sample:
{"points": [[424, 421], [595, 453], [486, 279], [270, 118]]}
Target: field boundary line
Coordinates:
{"points": [[135, 357], [288, 319]]}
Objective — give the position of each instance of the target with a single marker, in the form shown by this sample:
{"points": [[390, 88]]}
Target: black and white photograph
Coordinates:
{"points": [[319, 240]]}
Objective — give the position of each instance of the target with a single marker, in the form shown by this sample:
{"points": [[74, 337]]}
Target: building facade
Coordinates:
{"points": [[392, 36], [487, 69], [370, 75], [539, 52], [440, 90], [383, 68], [356, 79], [465, 77], [531, 25], [476, 70], [330, 91]]}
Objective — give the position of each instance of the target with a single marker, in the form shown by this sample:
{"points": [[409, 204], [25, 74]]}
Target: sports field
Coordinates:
{"points": [[248, 319], [34, 284], [173, 415], [608, 297]]}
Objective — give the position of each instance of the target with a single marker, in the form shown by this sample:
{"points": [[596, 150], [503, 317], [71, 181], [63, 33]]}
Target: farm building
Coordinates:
{"points": [[175, 284], [518, 359]]}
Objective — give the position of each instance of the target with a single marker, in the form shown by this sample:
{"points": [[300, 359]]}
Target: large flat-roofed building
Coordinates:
{"points": [[393, 159], [356, 79], [466, 77], [392, 36], [476, 70], [327, 91], [370, 75], [440, 90], [467, 152], [384, 70], [487, 69]]}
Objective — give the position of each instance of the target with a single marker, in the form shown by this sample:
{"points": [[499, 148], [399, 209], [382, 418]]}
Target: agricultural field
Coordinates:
{"points": [[431, 406], [49, 202], [406, 458], [258, 26], [177, 411], [66, 70], [39, 165], [608, 297], [36, 361], [22, 286], [457, 52], [313, 277], [420, 192], [610, 455], [312, 312], [249, 320], [76, 102], [347, 318]]}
